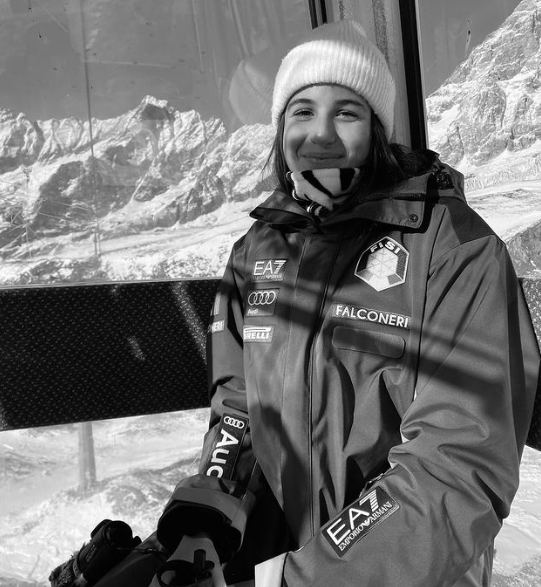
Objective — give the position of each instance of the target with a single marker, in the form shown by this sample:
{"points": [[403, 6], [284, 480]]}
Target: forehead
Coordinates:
{"points": [[327, 93]]}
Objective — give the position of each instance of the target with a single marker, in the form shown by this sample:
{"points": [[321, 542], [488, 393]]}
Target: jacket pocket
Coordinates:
{"points": [[368, 341]]}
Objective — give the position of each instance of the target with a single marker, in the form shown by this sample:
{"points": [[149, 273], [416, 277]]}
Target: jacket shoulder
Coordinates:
{"points": [[466, 224], [447, 189]]}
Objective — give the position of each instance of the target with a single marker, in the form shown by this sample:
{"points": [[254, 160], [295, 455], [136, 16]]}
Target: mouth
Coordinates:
{"points": [[319, 160]]}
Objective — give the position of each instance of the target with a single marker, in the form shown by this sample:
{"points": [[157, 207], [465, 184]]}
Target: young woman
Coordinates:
{"points": [[372, 364]]}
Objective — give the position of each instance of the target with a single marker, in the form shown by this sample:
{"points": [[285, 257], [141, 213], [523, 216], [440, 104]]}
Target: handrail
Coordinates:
{"points": [[91, 352]]}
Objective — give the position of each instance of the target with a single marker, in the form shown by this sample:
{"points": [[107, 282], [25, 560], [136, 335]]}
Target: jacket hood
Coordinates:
{"points": [[402, 205]]}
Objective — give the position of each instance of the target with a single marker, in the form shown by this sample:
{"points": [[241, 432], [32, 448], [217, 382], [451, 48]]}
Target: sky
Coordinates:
{"points": [[450, 29]]}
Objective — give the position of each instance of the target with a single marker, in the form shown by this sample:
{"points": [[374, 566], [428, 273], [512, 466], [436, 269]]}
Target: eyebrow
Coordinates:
{"points": [[343, 102]]}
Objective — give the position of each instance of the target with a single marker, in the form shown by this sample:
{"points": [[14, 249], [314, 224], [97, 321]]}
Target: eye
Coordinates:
{"points": [[302, 113], [348, 115]]}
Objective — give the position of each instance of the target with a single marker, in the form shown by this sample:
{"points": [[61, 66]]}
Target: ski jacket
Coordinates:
{"points": [[372, 379]]}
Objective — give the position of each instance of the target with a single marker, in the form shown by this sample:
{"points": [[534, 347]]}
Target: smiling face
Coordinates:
{"points": [[326, 126]]}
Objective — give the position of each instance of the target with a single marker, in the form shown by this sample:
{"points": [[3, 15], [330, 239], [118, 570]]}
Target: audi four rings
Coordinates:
{"points": [[262, 297], [234, 422]]}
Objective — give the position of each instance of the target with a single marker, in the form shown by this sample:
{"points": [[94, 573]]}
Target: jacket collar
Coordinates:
{"points": [[403, 206]]}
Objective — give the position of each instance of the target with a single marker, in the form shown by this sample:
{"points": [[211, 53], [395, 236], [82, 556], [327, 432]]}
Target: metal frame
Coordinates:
{"points": [[318, 12], [414, 75]]}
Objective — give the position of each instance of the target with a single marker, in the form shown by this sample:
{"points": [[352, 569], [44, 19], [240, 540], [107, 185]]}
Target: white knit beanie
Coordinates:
{"points": [[338, 53]]}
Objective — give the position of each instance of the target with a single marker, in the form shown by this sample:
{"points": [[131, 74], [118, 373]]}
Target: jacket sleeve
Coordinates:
{"points": [[439, 506], [218, 500]]}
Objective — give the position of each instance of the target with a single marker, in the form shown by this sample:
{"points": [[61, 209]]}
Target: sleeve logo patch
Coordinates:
{"points": [[269, 270], [383, 265], [358, 519], [216, 326], [261, 302], [257, 333], [225, 449]]}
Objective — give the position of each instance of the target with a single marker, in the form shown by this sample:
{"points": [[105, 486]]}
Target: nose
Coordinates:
{"points": [[323, 131]]}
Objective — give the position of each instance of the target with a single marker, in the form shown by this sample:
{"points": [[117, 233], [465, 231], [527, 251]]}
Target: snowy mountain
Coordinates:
{"points": [[69, 192], [44, 517], [491, 104], [485, 120], [162, 193]]}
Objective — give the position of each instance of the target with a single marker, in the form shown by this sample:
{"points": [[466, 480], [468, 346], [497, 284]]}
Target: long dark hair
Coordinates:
{"points": [[387, 163]]}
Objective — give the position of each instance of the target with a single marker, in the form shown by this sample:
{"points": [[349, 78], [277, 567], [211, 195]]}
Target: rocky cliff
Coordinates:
{"points": [[152, 167], [490, 107], [486, 120]]}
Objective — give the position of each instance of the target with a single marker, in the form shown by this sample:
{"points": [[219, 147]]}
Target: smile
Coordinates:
{"points": [[322, 156]]}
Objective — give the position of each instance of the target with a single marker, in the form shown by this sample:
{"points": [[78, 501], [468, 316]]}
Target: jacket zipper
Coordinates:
{"points": [[310, 380]]}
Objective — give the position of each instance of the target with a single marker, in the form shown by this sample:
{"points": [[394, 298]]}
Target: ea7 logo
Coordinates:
{"points": [[269, 270], [225, 449], [358, 519]]}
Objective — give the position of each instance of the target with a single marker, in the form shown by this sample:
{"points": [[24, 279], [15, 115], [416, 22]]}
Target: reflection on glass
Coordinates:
{"points": [[481, 66], [128, 133]]}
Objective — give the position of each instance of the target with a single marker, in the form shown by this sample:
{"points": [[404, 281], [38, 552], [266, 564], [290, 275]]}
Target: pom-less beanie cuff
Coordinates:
{"points": [[338, 53]]}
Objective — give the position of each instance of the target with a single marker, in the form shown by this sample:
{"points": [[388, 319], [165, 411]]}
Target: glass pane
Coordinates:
{"points": [[482, 78], [58, 483], [127, 137]]}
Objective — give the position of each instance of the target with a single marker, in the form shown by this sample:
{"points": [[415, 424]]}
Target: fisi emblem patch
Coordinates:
{"points": [[358, 519], [383, 265]]}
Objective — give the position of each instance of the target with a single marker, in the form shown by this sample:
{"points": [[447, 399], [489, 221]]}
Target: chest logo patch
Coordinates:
{"points": [[261, 302], [383, 265], [257, 333], [269, 270]]}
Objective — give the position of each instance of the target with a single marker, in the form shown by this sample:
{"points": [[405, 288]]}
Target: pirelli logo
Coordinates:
{"points": [[257, 333], [358, 519], [225, 449], [369, 315]]}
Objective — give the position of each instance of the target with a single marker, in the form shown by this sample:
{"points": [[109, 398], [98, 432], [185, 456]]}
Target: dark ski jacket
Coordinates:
{"points": [[372, 378]]}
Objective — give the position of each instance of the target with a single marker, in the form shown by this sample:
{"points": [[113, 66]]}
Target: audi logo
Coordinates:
{"points": [[262, 297], [234, 422]]}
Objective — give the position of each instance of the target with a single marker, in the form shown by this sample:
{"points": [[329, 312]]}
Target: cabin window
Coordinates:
{"points": [[133, 134], [132, 138], [481, 83]]}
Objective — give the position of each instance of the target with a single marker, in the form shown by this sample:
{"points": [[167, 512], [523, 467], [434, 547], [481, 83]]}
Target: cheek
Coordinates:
{"points": [[358, 146], [291, 143]]}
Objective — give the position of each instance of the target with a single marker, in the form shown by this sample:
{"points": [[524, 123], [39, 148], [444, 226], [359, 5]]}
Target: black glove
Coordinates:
{"points": [[186, 574], [110, 542]]}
